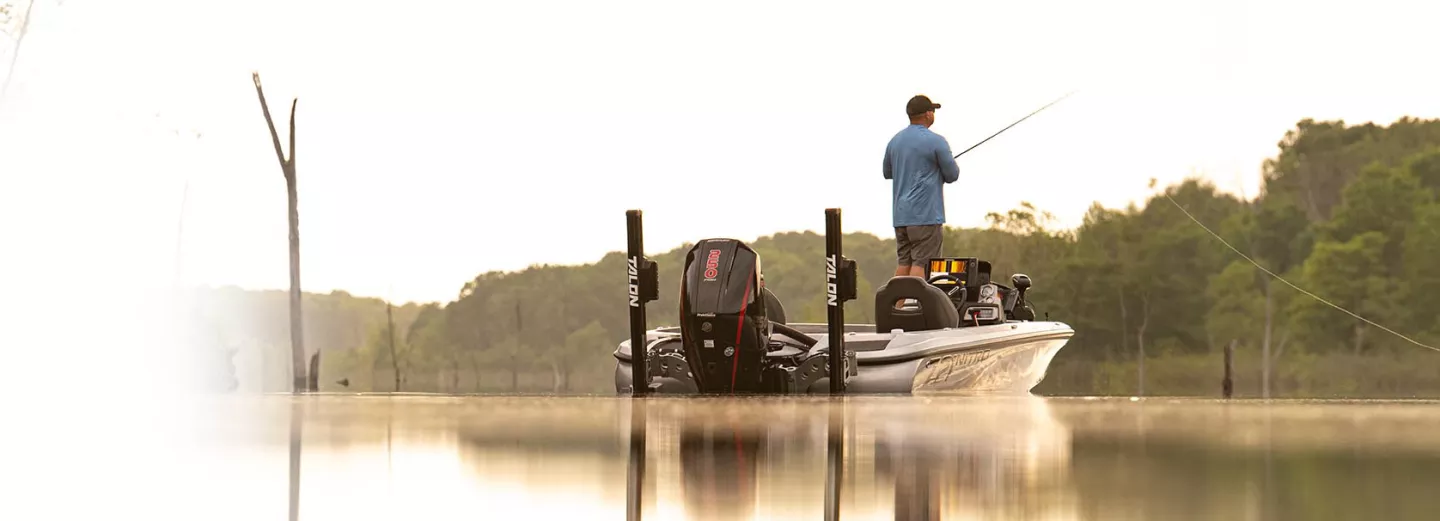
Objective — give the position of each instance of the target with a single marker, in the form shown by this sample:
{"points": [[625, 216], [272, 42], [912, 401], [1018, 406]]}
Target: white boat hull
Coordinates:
{"points": [[1011, 357]]}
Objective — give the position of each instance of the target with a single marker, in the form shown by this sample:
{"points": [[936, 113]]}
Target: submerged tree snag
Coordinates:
{"points": [[287, 166]]}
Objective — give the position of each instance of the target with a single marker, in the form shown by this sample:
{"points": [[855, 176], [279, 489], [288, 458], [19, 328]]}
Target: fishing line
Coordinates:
{"points": [[1282, 279], [1221, 239]]}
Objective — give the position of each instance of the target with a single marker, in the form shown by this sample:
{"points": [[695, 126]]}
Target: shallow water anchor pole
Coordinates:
{"points": [[644, 286], [839, 287]]}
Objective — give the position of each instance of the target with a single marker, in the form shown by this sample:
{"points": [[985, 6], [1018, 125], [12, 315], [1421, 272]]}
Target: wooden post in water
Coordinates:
{"points": [[1228, 386], [313, 379]]}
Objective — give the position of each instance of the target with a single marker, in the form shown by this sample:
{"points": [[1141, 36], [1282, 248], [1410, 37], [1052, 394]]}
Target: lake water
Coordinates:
{"points": [[361, 458]]}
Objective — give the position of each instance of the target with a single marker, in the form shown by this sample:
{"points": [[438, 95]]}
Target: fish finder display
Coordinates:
{"points": [[954, 267], [959, 267]]}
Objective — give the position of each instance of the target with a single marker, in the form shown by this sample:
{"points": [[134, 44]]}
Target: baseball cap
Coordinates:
{"points": [[920, 104]]}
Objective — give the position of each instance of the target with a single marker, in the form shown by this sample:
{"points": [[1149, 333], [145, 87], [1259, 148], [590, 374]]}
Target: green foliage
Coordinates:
{"points": [[1345, 274], [1426, 168], [1318, 159], [1235, 313], [1351, 213], [1421, 275], [1380, 200]]}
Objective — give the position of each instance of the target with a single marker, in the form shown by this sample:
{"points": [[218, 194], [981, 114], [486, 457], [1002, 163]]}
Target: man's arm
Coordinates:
{"points": [[886, 168], [949, 170]]}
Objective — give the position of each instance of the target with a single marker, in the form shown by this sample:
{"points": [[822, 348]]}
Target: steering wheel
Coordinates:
{"points": [[954, 288]]}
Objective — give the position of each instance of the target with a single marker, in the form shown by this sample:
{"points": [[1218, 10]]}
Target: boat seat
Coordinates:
{"points": [[773, 309], [936, 310]]}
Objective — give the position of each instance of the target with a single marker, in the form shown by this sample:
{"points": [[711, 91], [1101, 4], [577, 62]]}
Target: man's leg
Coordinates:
{"points": [[926, 242], [914, 247], [903, 248]]}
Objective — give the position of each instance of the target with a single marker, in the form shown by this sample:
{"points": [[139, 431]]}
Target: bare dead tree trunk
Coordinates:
{"points": [[287, 166], [514, 354], [475, 365], [1284, 339], [394, 360], [559, 366], [1266, 358], [1265, 346], [297, 335], [1312, 207], [475, 356], [455, 371], [1274, 358], [1140, 338], [1124, 324]]}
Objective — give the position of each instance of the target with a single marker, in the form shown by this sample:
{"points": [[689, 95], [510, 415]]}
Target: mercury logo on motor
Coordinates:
{"points": [[712, 265]]}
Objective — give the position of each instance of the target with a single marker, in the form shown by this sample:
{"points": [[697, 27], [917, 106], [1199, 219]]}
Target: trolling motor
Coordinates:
{"points": [[1022, 309]]}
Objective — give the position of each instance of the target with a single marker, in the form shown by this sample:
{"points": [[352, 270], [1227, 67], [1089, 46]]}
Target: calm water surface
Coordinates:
{"points": [[361, 458]]}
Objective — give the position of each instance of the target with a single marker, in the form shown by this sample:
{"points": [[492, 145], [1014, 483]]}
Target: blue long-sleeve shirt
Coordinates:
{"points": [[919, 163]]}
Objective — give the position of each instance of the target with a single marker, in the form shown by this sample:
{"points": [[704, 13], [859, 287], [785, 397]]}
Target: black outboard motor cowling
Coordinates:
{"points": [[723, 325]]}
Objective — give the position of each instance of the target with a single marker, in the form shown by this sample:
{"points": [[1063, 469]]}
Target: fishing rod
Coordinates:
{"points": [[1037, 111]]}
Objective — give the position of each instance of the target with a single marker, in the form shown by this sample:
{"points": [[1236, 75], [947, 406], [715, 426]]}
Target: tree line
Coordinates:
{"points": [[1350, 213]]}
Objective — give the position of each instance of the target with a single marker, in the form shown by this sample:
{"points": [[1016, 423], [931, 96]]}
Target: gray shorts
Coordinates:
{"points": [[916, 245]]}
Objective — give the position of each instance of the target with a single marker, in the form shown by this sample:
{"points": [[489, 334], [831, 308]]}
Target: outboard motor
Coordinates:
{"points": [[723, 325]]}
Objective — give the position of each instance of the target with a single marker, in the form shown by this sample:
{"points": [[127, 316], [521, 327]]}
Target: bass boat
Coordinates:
{"points": [[952, 330]]}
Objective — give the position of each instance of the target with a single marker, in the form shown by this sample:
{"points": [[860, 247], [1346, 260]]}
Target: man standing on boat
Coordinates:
{"points": [[919, 163]]}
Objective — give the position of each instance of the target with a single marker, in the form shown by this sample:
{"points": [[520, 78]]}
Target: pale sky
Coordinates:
{"points": [[441, 139]]}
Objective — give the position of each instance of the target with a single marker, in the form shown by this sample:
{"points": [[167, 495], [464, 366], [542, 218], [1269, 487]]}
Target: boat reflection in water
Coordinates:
{"points": [[690, 458], [870, 459], [865, 458]]}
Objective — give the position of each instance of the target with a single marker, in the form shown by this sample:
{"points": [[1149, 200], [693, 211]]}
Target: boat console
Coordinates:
{"points": [[955, 292]]}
